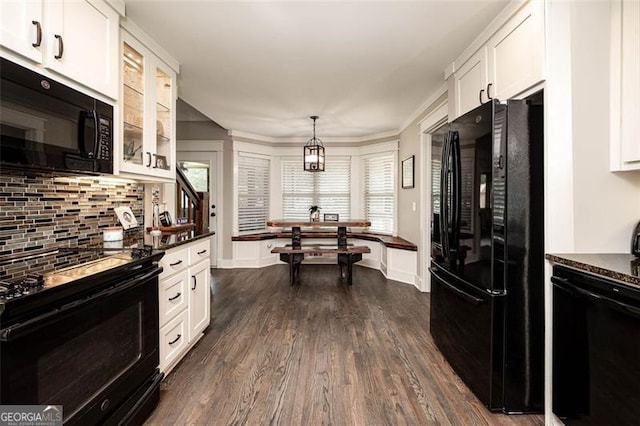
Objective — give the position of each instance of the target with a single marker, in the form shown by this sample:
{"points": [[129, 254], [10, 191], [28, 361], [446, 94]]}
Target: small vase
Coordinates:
{"points": [[315, 217]]}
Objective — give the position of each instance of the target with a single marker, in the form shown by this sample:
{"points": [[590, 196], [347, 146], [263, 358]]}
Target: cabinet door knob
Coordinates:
{"points": [[213, 206], [488, 89], [60, 46], [213, 215], [480, 96], [38, 34], [195, 282], [149, 157]]}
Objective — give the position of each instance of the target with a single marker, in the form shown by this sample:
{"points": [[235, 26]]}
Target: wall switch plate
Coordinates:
{"points": [[413, 206]]}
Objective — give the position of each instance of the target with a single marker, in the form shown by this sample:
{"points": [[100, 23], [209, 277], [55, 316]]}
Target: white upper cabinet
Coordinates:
{"points": [[470, 83], [507, 60], [625, 85], [82, 43], [516, 53], [21, 30], [77, 39], [149, 95]]}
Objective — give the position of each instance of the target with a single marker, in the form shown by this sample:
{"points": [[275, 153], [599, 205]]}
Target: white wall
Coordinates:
{"points": [[605, 203], [588, 209]]}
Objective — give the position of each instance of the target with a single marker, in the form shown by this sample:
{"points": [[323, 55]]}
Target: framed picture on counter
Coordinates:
{"points": [[161, 162], [407, 172], [331, 217]]}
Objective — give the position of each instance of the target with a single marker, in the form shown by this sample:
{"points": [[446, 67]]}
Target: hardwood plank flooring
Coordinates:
{"points": [[318, 353]]}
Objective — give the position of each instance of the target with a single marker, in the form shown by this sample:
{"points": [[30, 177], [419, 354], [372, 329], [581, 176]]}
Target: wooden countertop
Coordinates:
{"points": [[387, 240], [360, 223]]}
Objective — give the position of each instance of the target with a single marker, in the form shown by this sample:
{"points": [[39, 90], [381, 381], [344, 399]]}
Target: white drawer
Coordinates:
{"points": [[174, 261], [199, 250], [174, 296], [173, 340]]}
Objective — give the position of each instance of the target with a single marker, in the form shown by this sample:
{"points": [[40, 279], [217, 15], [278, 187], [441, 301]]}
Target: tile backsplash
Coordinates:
{"points": [[41, 211]]}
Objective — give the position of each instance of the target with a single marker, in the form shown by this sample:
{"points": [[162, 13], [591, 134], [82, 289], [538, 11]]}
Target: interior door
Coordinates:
{"points": [[201, 170]]}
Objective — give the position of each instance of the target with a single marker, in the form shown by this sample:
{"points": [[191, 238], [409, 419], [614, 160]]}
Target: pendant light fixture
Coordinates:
{"points": [[314, 152]]}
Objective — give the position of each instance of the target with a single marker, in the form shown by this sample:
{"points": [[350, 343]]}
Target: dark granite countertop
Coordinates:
{"points": [[618, 266], [166, 241], [169, 241]]}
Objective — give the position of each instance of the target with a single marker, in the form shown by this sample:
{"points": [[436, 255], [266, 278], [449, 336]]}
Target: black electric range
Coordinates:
{"points": [[64, 275], [79, 328]]}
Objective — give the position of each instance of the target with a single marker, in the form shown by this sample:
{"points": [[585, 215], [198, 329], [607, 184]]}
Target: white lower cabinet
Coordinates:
{"points": [[173, 341], [198, 298], [185, 302], [173, 296]]}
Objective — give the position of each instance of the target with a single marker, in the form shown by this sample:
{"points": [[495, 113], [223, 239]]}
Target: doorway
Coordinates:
{"points": [[201, 169]]}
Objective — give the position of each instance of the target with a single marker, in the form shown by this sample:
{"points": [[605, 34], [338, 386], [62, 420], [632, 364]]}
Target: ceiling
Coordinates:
{"points": [[264, 67]]}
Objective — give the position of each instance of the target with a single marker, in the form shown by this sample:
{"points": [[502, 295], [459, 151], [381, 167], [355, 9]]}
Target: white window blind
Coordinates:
{"points": [[330, 190], [379, 190], [253, 193]]}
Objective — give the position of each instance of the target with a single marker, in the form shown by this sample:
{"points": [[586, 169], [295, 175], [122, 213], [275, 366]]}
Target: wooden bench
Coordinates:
{"points": [[347, 256]]}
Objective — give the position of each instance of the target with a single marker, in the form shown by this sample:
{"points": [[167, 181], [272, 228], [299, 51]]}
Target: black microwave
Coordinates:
{"points": [[49, 126]]}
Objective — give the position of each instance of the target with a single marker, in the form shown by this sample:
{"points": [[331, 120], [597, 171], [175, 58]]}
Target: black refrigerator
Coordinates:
{"points": [[487, 253]]}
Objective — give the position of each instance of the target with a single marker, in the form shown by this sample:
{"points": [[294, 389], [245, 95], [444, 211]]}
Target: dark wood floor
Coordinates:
{"points": [[318, 353]]}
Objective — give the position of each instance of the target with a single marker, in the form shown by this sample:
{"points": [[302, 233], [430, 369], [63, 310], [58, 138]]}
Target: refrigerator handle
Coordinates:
{"points": [[457, 189], [444, 202], [455, 290]]}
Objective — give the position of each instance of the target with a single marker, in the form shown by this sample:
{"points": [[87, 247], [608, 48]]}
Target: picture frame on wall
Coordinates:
{"points": [[408, 173]]}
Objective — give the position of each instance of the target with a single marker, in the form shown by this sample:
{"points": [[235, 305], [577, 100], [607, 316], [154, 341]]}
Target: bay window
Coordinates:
{"points": [[330, 190]]}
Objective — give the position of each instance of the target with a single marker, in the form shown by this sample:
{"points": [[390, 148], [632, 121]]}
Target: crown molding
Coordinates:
{"points": [[426, 104], [299, 140]]}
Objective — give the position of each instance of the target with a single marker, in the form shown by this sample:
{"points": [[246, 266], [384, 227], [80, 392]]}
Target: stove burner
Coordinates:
{"points": [[20, 287], [139, 253], [32, 282]]}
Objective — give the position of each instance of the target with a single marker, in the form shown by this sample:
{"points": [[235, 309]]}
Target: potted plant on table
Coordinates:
{"points": [[314, 214]]}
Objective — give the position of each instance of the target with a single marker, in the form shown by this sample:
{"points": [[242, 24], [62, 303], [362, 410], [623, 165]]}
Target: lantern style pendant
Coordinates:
{"points": [[314, 152]]}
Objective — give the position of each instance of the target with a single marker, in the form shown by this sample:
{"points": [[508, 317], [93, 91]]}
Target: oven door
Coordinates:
{"points": [[87, 356]]}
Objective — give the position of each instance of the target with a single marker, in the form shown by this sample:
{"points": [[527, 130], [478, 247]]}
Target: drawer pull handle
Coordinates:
{"points": [[171, 299], [195, 282], [176, 339], [60, 46], [176, 263], [203, 251], [488, 91], [38, 34]]}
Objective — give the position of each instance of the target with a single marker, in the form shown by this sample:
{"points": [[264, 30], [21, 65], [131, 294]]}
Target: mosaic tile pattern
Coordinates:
{"points": [[41, 211]]}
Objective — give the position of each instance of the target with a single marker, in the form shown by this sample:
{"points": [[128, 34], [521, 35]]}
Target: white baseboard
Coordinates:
{"points": [[225, 263], [418, 283], [402, 276]]}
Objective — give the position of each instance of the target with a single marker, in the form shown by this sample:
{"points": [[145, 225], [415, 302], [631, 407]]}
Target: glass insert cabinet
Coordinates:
{"points": [[148, 112]]}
